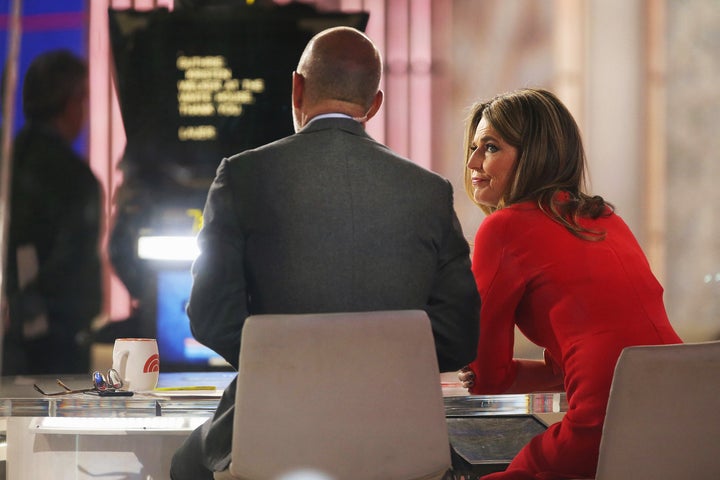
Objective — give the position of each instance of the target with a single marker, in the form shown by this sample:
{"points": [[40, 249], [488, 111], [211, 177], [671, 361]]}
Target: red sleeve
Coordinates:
{"points": [[501, 284]]}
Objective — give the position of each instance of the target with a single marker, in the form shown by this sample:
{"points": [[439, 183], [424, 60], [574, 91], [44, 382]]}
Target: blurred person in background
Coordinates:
{"points": [[53, 273]]}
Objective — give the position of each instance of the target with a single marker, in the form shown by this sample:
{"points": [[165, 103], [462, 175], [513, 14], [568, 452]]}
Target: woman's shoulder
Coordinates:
{"points": [[507, 222], [518, 224]]}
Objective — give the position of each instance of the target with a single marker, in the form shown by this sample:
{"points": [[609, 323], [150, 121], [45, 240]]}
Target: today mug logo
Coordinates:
{"points": [[152, 364]]}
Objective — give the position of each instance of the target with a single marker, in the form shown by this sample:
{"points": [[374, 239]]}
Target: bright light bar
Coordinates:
{"points": [[168, 248]]}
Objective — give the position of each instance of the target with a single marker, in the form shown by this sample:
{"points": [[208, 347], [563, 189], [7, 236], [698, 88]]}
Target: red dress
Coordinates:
{"points": [[583, 301]]}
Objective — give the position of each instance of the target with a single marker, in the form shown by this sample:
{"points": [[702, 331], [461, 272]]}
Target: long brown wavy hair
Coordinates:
{"points": [[551, 165]]}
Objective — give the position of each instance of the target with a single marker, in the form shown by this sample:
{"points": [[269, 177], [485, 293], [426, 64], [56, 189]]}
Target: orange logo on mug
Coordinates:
{"points": [[152, 364]]}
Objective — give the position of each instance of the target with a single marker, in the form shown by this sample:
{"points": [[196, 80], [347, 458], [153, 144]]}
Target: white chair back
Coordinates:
{"points": [[351, 396], [663, 414]]}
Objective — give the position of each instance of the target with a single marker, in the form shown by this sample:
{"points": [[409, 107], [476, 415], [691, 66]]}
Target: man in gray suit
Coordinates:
{"points": [[325, 220]]}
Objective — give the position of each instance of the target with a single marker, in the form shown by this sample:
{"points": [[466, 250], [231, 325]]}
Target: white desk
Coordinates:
{"points": [[121, 438], [81, 436]]}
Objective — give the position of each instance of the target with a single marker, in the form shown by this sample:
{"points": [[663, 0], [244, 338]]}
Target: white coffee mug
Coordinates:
{"points": [[138, 363]]}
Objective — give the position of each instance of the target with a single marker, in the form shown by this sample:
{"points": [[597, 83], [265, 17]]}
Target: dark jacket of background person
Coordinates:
{"points": [[55, 222]]}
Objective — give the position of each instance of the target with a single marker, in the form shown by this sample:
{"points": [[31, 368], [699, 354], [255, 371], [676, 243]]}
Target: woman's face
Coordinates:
{"points": [[491, 163]]}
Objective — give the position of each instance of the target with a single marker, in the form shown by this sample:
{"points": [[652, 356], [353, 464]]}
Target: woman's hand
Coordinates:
{"points": [[467, 377]]}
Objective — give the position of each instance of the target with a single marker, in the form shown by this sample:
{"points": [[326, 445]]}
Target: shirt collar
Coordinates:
{"points": [[330, 115]]}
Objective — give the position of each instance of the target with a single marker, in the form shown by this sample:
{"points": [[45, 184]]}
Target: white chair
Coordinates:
{"points": [[663, 414], [352, 396]]}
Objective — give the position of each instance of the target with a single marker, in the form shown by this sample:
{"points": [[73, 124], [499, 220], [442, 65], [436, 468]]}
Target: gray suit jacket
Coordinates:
{"points": [[327, 220]]}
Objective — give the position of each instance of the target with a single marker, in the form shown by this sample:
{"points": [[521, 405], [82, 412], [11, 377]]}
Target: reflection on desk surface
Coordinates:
{"points": [[493, 440], [18, 398], [21, 386], [114, 425]]}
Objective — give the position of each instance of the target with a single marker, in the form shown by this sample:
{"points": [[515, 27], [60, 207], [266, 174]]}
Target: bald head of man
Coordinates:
{"points": [[339, 72]]}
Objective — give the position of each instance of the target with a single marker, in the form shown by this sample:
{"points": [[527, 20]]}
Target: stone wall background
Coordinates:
{"points": [[692, 284]]}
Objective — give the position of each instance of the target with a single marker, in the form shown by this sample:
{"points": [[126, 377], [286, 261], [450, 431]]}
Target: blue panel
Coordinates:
{"points": [[175, 342], [34, 7], [47, 24]]}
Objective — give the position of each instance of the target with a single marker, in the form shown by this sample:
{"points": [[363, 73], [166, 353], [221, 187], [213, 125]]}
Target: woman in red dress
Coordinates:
{"points": [[561, 266]]}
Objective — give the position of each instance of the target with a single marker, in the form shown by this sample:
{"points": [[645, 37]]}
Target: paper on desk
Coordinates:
{"points": [[185, 393]]}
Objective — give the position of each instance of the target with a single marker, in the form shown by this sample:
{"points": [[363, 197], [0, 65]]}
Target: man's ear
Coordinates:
{"points": [[298, 90], [377, 102]]}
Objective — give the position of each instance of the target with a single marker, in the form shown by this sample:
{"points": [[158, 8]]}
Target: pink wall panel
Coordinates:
{"points": [[397, 47], [376, 31], [420, 86]]}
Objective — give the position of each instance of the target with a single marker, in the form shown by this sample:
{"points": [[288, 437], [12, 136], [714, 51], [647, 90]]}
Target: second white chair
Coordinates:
{"points": [[663, 415]]}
